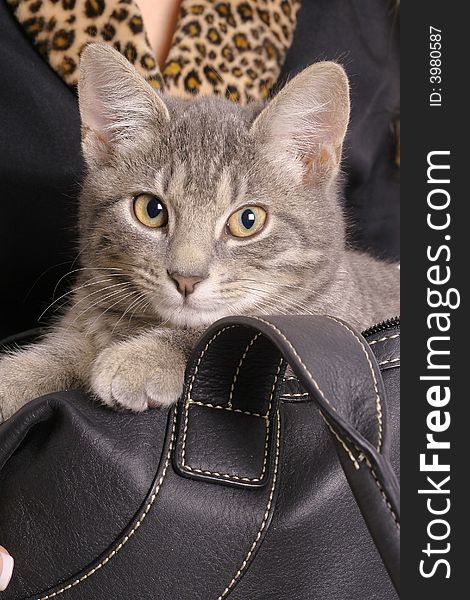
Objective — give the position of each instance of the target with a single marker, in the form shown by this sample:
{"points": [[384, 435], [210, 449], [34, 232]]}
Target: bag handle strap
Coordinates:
{"points": [[237, 369]]}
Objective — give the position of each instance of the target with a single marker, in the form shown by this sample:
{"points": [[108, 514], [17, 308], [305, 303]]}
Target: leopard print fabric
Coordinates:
{"points": [[235, 49], [60, 29]]}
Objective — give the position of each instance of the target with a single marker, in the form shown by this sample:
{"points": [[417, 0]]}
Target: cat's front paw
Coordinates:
{"points": [[137, 375]]}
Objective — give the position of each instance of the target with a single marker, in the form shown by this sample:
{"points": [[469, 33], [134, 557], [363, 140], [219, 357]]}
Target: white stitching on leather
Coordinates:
{"points": [[390, 360], [363, 458], [231, 477], [189, 401], [379, 416], [287, 395], [315, 383], [387, 337], [378, 401], [244, 564], [237, 372], [319, 390], [329, 403], [133, 530], [221, 407], [268, 508], [186, 408], [384, 362], [341, 441], [382, 491], [222, 475]]}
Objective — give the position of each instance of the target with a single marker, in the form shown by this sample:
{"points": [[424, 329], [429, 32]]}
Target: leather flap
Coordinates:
{"points": [[238, 366], [226, 425]]}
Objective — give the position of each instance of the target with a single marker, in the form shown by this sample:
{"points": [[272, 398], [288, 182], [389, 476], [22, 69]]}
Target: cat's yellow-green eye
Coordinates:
{"points": [[150, 211], [247, 221]]}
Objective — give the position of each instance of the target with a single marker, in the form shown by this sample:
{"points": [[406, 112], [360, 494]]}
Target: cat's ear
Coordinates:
{"points": [[117, 106], [304, 125]]}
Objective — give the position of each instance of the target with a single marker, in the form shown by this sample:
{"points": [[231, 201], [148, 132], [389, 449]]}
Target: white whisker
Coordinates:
{"points": [[102, 313], [82, 269], [279, 285], [71, 292], [137, 301], [100, 301]]}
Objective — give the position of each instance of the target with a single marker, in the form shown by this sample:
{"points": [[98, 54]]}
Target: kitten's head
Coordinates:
{"points": [[209, 208]]}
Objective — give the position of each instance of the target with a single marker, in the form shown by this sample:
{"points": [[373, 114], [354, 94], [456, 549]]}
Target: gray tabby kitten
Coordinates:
{"points": [[191, 211]]}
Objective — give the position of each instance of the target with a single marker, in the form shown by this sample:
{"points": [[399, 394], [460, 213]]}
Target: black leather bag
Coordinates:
{"points": [[236, 493]]}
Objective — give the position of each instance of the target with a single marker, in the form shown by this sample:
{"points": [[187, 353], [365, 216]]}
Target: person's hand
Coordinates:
{"points": [[6, 568]]}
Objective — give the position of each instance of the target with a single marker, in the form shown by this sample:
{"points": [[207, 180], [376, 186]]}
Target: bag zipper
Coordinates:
{"points": [[383, 326]]}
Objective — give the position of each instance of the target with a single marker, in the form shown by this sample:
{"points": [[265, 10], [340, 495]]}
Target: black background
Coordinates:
{"points": [[425, 129]]}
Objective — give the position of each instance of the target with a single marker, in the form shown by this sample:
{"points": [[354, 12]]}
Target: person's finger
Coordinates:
{"points": [[6, 568]]}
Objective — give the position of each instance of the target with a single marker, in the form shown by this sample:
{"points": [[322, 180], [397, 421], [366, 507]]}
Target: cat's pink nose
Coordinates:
{"points": [[186, 283]]}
